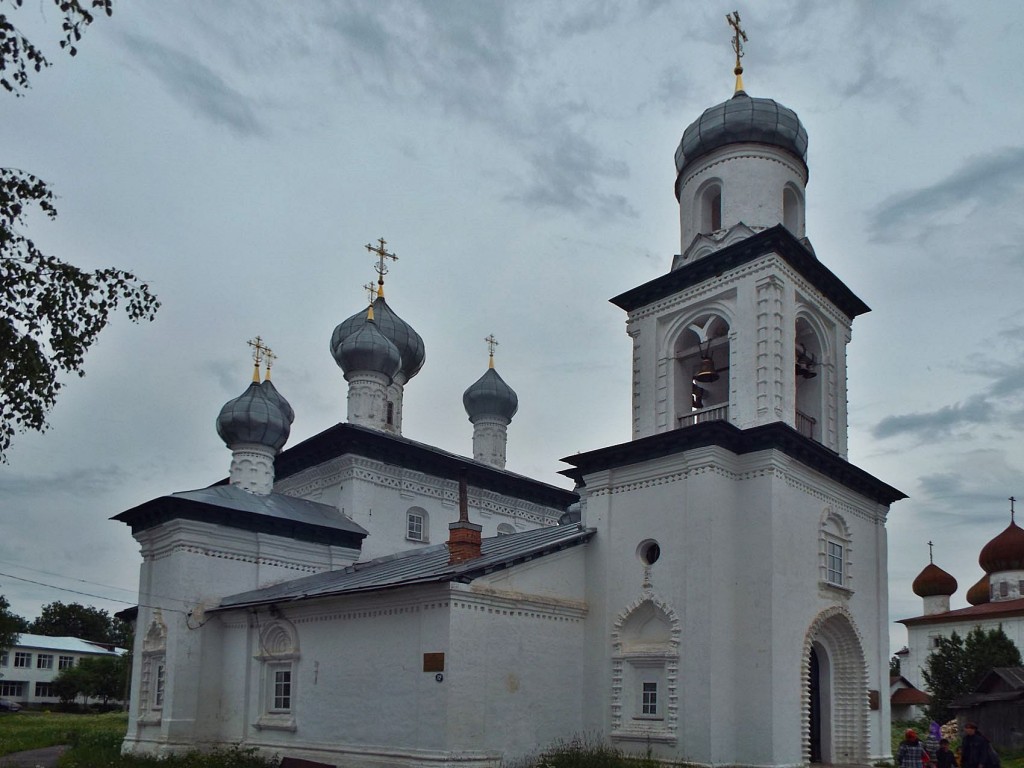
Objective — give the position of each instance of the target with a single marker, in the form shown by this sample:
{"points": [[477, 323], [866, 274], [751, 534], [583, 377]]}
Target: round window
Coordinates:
{"points": [[649, 551]]}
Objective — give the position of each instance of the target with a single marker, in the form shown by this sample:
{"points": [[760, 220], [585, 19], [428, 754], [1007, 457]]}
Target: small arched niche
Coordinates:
{"points": [[710, 208], [701, 352], [793, 210], [810, 376]]}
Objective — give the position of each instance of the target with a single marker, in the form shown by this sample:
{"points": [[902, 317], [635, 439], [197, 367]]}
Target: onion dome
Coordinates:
{"points": [[367, 349], [395, 329], [979, 594], [490, 396], [253, 417], [743, 119], [1005, 552], [934, 581], [274, 396]]}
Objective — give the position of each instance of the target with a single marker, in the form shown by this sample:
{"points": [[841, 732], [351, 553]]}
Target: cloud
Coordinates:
{"points": [[196, 86], [937, 423], [985, 181], [85, 481]]}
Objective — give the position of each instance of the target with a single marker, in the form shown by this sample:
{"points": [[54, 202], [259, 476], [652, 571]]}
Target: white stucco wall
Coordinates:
{"points": [[378, 497], [740, 569]]}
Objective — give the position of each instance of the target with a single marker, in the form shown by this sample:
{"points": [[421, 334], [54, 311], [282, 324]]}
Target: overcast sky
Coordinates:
{"points": [[518, 157]]}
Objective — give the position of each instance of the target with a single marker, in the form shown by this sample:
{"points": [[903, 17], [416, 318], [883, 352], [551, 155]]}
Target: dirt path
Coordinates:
{"points": [[33, 758]]}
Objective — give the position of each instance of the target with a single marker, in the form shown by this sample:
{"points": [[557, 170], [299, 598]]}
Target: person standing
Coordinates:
{"points": [[974, 748], [911, 753], [944, 758]]}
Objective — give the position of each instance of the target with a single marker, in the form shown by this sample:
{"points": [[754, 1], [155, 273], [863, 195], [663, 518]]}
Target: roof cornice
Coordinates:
{"points": [[777, 436], [777, 240], [344, 439]]}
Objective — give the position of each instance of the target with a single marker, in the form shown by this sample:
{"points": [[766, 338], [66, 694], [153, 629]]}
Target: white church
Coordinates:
{"points": [[714, 591]]}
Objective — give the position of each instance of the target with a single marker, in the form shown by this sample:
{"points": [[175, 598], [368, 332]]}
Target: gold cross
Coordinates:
{"points": [[269, 357], [371, 291], [381, 268], [491, 344], [259, 349], [737, 45]]}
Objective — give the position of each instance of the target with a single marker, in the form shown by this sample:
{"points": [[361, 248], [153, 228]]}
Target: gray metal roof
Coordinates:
{"points": [[395, 329], [69, 644], [367, 349], [255, 416], [490, 396], [418, 566], [742, 119], [230, 505]]}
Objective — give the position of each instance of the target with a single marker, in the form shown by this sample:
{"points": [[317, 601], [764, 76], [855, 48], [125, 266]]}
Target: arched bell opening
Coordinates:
{"points": [[793, 210], [701, 352], [810, 377]]}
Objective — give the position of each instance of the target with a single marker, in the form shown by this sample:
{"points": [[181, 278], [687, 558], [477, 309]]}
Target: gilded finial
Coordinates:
{"points": [[491, 344], [738, 38], [259, 350], [380, 267], [268, 360]]}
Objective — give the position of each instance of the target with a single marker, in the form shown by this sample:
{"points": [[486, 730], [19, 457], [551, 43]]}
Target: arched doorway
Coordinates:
{"points": [[835, 723]]}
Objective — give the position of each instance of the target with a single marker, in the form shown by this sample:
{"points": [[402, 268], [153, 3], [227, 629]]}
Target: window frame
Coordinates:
{"points": [[422, 518], [23, 660], [44, 661], [44, 690], [65, 662], [14, 689]]}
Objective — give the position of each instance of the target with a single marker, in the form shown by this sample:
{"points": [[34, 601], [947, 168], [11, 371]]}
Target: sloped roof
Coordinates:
{"points": [[418, 566], [1012, 688], [69, 644], [229, 505], [908, 696], [992, 610]]}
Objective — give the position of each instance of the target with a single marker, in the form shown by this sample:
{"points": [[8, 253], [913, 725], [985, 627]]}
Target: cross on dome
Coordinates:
{"points": [[491, 344], [268, 358], [1012, 500], [371, 291], [259, 351], [380, 267], [737, 46], [930, 558]]}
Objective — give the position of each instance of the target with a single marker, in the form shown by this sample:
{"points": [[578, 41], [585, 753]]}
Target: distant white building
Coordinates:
{"points": [[28, 668], [715, 592]]}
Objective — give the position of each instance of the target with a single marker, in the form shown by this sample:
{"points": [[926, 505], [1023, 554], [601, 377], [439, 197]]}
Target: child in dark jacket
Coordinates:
{"points": [[944, 757]]}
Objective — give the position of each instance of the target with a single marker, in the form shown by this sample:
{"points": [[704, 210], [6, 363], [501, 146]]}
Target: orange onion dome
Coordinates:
{"points": [[934, 581], [979, 594], [1005, 552]]}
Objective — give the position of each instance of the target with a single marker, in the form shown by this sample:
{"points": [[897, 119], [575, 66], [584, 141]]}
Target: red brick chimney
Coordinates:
{"points": [[463, 536]]}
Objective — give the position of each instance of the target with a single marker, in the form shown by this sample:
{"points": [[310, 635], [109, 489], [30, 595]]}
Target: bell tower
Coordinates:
{"points": [[748, 327]]}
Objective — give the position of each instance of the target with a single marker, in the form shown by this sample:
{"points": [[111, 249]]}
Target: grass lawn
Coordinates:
{"points": [[32, 730]]}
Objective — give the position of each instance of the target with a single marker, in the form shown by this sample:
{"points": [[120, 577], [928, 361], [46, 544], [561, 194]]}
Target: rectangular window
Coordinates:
{"points": [[1004, 589], [22, 659], [3, 658], [65, 662], [282, 691], [158, 688], [44, 661], [12, 689], [415, 529], [44, 691], [834, 566], [649, 704]]}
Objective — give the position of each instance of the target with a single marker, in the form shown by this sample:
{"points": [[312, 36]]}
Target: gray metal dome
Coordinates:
{"points": [[276, 397], [490, 396], [742, 119], [367, 349], [253, 417], [395, 329]]}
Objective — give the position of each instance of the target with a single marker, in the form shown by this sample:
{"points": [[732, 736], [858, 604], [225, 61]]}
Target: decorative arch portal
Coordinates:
{"points": [[701, 351], [834, 682], [645, 671], [811, 375]]}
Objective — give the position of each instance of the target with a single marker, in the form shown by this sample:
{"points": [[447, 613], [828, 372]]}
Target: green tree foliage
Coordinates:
{"points": [[11, 625], [50, 310], [957, 665], [102, 677], [894, 666], [59, 619]]}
